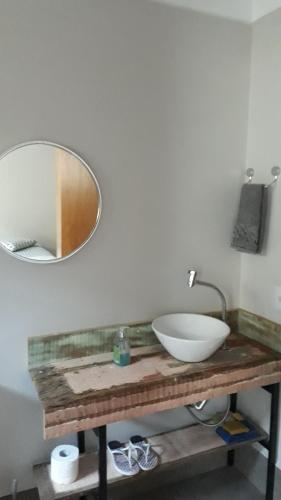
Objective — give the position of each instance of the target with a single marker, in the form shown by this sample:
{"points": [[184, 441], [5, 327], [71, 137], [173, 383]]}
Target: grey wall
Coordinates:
{"points": [[155, 98]]}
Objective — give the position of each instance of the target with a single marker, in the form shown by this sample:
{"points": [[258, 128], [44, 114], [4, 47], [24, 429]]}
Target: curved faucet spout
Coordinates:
{"points": [[192, 280], [222, 297]]}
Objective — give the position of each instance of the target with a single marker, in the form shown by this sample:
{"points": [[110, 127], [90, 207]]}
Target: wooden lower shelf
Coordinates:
{"points": [[172, 447]]}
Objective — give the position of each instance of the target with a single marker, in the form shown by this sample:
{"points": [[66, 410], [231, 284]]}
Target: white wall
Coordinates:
{"points": [[261, 273], [246, 11], [28, 196], [155, 98], [261, 8], [240, 10]]}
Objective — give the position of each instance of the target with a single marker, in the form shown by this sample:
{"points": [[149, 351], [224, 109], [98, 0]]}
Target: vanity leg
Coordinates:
{"points": [[81, 441], [102, 463], [233, 407], [272, 441], [81, 447]]}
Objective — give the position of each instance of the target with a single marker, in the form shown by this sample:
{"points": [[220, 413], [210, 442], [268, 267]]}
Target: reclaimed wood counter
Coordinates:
{"points": [[84, 390]]}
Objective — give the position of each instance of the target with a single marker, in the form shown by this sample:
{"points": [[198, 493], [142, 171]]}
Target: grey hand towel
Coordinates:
{"points": [[249, 229]]}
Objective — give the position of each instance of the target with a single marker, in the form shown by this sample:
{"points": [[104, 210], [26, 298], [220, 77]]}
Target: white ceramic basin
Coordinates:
{"points": [[190, 337]]}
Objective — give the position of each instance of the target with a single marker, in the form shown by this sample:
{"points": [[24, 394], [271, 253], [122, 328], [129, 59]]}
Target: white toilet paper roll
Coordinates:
{"points": [[64, 464]]}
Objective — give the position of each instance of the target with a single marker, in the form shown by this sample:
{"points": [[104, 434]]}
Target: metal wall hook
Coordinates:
{"points": [[250, 173], [275, 171], [14, 489]]}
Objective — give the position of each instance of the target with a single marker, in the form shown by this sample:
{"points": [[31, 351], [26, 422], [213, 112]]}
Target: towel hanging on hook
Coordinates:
{"points": [[249, 229], [275, 171]]}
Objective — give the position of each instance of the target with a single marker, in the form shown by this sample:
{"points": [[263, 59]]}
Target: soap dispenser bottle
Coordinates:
{"points": [[121, 348]]}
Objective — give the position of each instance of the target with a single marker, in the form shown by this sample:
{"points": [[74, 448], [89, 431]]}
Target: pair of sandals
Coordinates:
{"points": [[130, 459]]}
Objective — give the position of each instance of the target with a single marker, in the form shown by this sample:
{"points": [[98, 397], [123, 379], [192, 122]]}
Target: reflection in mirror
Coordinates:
{"points": [[50, 202]]}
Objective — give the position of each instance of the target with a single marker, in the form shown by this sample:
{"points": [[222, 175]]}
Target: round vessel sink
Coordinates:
{"points": [[190, 337]]}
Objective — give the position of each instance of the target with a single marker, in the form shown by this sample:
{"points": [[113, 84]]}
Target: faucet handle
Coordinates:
{"points": [[191, 277]]}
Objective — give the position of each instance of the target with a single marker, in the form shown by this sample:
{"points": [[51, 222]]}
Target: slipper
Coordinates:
{"points": [[146, 457], [122, 458]]}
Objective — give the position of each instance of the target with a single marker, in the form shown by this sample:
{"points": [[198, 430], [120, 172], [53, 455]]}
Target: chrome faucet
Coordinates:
{"points": [[192, 280]]}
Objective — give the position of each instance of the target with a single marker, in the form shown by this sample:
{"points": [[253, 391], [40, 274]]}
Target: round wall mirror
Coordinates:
{"points": [[50, 202]]}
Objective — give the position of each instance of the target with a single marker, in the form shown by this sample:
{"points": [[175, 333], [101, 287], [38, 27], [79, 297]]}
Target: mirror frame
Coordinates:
{"points": [[78, 157]]}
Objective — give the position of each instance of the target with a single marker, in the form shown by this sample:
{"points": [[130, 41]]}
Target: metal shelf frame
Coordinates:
{"points": [[269, 444]]}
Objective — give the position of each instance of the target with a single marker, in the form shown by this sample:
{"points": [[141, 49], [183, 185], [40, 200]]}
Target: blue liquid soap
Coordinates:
{"points": [[121, 349]]}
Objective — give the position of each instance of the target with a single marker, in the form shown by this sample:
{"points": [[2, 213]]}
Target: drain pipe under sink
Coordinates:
{"points": [[200, 406]]}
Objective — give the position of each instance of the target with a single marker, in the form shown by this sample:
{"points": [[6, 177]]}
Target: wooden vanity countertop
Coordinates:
{"points": [[90, 391]]}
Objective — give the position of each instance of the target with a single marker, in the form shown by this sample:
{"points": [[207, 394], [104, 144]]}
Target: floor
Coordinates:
{"points": [[221, 484]]}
